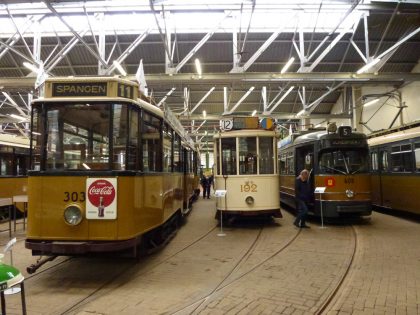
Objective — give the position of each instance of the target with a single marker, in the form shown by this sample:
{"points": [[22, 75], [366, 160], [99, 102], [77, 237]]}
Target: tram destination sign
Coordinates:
{"points": [[345, 142], [78, 89]]}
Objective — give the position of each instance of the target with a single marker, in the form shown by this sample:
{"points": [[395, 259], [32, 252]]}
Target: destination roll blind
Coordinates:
{"points": [[78, 89]]}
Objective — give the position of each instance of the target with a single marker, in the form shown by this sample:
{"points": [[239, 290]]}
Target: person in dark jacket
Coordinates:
{"points": [[205, 185], [303, 196], [210, 183]]}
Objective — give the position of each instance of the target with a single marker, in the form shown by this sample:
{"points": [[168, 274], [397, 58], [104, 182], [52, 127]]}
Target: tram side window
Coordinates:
{"points": [[6, 165], [417, 155], [217, 165], [120, 136], [247, 155], [177, 154], [374, 161], [290, 164], [133, 139], [401, 158], [228, 156], [167, 148], [383, 161], [283, 169], [151, 144], [36, 139]]}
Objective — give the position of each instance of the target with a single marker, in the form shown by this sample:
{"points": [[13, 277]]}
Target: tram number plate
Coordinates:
{"points": [[74, 196], [249, 188], [349, 180], [226, 124]]}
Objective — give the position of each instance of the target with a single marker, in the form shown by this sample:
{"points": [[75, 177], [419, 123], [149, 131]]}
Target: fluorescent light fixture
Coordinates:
{"points": [[36, 133], [171, 91], [31, 67], [254, 112], [198, 67], [204, 114], [18, 117], [300, 113], [371, 102], [119, 68], [287, 65], [86, 166], [368, 65]]}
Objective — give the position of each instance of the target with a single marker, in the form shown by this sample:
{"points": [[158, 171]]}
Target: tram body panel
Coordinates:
{"points": [[263, 189], [140, 207], [399, 192]]}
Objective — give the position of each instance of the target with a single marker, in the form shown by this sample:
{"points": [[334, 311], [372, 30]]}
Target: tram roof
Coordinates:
{"points": [[246, 133], [395, 136]]}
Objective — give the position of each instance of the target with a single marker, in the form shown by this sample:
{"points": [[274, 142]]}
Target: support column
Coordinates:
{"points": [[356, 97]]}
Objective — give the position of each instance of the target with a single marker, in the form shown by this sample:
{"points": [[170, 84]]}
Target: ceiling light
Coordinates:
{"points": [[86, 166], [204, 114], [300, 113], [368, 65], [36, 133], [371, 102], [120, 69], [18, 117], [287, 65], [198, 67], [31, 67], [254, 112]]}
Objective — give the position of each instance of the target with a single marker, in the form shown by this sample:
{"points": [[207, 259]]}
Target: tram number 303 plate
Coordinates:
{"points": [[249, 188]]}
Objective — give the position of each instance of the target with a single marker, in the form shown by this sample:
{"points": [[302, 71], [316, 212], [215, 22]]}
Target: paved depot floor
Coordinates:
{"points": [[262, 268]]}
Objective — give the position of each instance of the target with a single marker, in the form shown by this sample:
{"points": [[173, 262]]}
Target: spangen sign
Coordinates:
{"points": [[79, 89]]}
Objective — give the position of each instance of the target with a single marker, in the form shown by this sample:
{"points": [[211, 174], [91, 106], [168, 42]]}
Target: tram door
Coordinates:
{"points": [[305, 160]]}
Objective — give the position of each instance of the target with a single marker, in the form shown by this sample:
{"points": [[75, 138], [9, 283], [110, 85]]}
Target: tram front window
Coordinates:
{"points": [[77, 136], [343, 161], [247, 155], [228, 156]]}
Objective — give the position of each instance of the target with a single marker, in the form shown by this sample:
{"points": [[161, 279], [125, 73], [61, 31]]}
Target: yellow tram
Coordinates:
{"points": [[246, 169], [337, 161], [14, 162], [395, 167], [110, 171]]}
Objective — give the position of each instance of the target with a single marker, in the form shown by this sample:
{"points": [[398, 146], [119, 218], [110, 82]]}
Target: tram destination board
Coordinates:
{"points": [[245, 123], [77, 89]]}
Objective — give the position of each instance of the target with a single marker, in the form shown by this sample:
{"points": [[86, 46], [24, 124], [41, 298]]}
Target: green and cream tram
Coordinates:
{"points": [[246, 169]]}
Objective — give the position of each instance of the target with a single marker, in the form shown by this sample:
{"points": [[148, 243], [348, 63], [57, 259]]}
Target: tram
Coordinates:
{"points": [[338, 163], [395, 167], [246, 169], [14, 163], [110, 172]]}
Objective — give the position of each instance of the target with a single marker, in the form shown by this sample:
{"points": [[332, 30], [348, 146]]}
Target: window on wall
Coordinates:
{"points": [[374, 161], [228, 156], [151, 143], [417, 155], [401, 158], [266, 155]]}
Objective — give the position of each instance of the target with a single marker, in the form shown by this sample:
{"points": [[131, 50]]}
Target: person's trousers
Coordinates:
{"points": [[302, 213]]}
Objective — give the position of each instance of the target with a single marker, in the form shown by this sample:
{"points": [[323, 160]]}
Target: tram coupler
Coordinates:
{"points": [[34, 267]]}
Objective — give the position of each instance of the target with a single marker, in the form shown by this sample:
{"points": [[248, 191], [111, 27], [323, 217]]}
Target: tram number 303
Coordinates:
{"points": [[249, 188], [74, 196]]}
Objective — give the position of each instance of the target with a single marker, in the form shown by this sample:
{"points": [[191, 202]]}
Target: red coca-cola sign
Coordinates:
{"points": [[101, 188]]}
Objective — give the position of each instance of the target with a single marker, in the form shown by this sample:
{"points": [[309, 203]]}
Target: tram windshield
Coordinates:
{"points": [[343, 161]]}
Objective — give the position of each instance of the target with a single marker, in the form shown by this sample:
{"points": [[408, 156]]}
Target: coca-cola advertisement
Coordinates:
{"points": [[101, 201]]}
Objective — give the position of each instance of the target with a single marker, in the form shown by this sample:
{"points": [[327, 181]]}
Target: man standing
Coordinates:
{"points": [[204, 184], [303, 196]]}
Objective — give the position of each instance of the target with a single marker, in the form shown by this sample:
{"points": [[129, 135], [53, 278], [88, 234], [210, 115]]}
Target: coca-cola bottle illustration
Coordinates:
{"points": [[101, 207]]}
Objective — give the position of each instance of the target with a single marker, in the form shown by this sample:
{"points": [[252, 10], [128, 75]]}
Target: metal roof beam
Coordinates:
{"points": [[202, 99], [275, 116], [240, 101]]}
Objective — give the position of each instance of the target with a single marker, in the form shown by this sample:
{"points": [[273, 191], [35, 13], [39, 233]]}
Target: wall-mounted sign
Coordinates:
{"points": [[101, 201]]}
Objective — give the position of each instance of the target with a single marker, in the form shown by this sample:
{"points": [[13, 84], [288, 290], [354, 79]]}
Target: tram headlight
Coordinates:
{"points": [[349, 193], [73, 215], [249, 200]]}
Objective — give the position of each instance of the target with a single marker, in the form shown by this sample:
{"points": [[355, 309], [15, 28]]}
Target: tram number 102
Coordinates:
{"points": [[249, 188]]}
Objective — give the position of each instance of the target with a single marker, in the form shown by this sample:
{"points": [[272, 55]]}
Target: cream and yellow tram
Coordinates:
{"points": [[109, 172], [246, 169]]}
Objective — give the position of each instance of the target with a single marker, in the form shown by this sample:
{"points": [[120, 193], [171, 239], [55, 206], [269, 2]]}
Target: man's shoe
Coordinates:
{"points": [[296, 224]]}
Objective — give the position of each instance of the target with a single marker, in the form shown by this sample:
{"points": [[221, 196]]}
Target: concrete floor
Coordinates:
{"points": [[261, 268]]}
